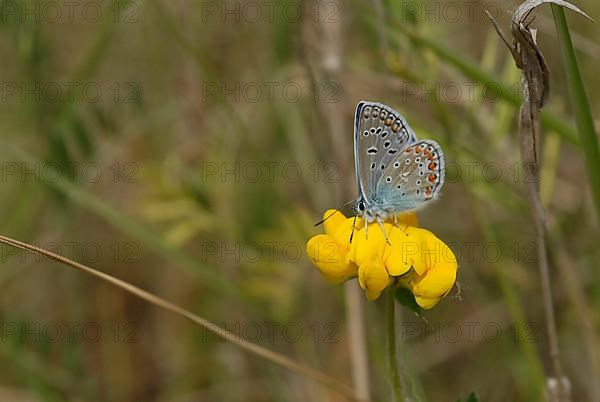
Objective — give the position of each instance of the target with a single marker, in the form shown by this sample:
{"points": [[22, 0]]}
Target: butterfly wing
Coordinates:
{"points": [[414, 177], [380, 136]]}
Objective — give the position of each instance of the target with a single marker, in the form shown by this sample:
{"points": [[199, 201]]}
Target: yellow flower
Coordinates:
{"points": [[414, 258]]}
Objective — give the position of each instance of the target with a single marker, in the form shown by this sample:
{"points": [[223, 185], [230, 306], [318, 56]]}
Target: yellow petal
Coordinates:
{"points": [[342, 233], [408, 253], [434, 284], [424, 250], [426, 303], [373, 278], [330, 258], [408, 219], [333, 219], [433, 264], [374, 247], [395, 259]]}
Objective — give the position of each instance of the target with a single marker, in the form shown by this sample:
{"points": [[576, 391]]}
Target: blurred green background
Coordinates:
{"points": [[188, 147]]}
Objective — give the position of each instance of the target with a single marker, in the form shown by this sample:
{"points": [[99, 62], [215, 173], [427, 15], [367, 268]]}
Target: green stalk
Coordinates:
{"points": [[581, 105], [392, 355]]}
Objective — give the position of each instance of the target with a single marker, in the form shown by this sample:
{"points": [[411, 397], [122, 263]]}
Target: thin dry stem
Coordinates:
{"points": [[587, 317], [332, 62], [535, 80], [274, 357], [358, 341]]}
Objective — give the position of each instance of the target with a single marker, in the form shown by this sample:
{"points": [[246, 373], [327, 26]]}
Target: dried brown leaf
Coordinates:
{"points": [[527, 7], [535, 81]]}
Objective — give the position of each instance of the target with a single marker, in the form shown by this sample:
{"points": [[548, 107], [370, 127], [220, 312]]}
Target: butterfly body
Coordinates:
{"points": [[395, 171]]}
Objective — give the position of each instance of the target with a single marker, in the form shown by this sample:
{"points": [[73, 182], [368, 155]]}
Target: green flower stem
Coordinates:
{"points": [[395, 376]]}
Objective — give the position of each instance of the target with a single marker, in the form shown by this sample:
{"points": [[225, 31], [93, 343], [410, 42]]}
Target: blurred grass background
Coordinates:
{"points": [[165, 194]]}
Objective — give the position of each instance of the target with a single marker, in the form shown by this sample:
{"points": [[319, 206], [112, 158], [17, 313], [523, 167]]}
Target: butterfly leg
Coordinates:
{"points": [[380, 222], [366, 228], [353, 227], [397, 224]]}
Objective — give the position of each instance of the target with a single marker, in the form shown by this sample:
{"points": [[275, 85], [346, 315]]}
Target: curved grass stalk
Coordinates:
{"points": [[135, 229], [159, 302]]}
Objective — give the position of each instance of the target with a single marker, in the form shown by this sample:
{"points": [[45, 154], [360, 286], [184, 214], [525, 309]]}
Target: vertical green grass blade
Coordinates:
{"points": [[581, 105]]}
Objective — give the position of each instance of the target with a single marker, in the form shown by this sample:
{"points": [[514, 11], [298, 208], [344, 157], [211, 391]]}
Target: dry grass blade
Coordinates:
{"points": [[524, 9], [273, 357], [535, 77], [332, 59]]}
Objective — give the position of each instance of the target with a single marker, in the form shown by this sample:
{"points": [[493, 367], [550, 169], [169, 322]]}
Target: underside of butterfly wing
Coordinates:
{"points": [[380, 136], [413, 178]]}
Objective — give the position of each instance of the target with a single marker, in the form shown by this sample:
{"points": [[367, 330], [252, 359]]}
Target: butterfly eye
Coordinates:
{"points": [[361, 206]]}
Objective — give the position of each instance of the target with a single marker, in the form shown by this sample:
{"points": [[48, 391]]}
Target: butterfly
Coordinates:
{"points": [[395, 171]]}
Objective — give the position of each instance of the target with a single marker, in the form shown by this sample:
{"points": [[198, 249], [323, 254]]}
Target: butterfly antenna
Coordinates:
{"points": [[327, 217], [333, 213]]}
